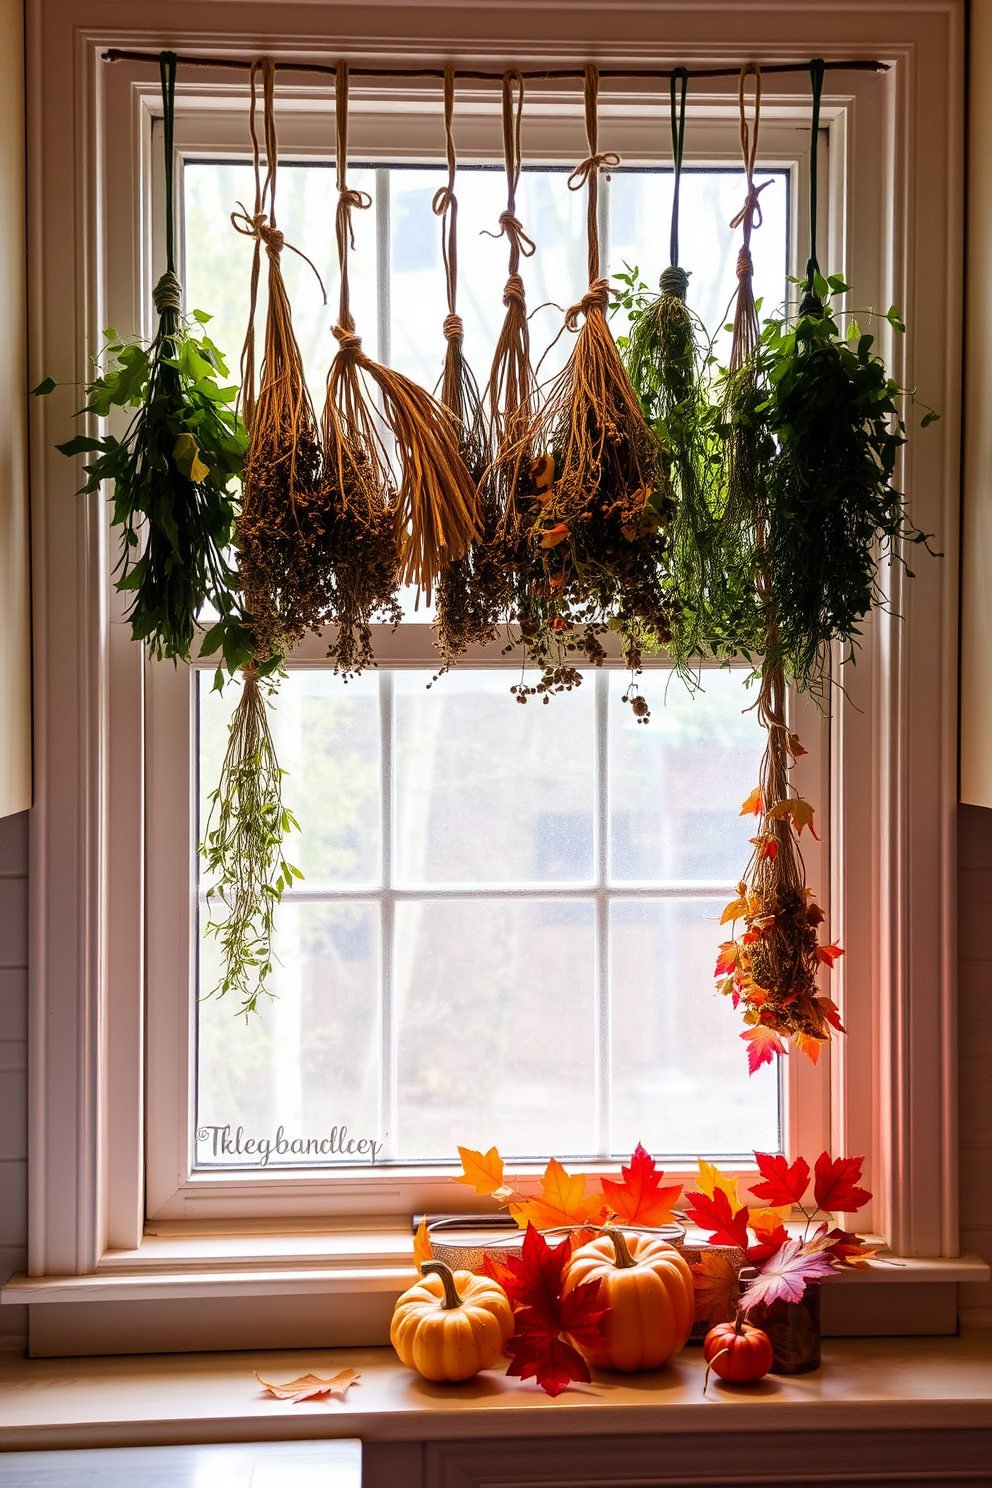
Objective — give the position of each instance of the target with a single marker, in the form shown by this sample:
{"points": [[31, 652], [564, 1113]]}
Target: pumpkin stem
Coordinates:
{"points": [[622, 1256], [451, 1297], [710, 1364]]}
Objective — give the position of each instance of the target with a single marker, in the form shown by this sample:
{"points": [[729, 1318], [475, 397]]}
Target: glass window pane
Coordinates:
{"points": [[326, 735], [680, 1082], [489, 790], [495, 1027], [307, 1067], [677, 786]]}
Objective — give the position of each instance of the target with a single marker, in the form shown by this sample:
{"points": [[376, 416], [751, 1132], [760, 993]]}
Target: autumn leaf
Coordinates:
{"points": [[310, 1385], [562, 1201], [710, 1179], [555, 535], [735, 910], [785, 1276], [781, 1184], [727, 957], [828, 954], [728, 1226], [422, 1250], [763, 1043], [753, 806], [542, 475], [794, 747], [768, 1239], [549, 1320], [640, 1199], [830, 1012], [714, 1281], [808, 1045], [835, 1184], [482, 1171], [850, 1249], [797, 810]]}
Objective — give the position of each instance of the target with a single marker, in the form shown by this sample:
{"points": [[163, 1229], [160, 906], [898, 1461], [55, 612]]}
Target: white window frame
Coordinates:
{"points": [[896, 188]]}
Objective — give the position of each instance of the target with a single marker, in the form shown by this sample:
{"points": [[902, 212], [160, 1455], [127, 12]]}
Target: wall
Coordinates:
{"points": [[975, 1047], [13, 1066]]}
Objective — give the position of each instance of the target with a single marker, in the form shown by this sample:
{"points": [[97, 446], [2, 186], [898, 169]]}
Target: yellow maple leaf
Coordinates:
{"points": [[735, 910], [482, 1171], [710, 1179], [800, 813], [563, 1201], [422, 1248]]}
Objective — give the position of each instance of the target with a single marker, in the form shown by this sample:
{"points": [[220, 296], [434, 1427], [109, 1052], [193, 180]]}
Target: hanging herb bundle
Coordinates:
{"points": [[282, 538], [508, 487], [436, 507], [594, 545], [666, 353], [834, 510], [173, 469], [469, 588], [820, 506], [359, 495]]}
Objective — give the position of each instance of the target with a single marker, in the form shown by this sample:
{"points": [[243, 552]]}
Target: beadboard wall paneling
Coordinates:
{"points": [[13, 1067]]}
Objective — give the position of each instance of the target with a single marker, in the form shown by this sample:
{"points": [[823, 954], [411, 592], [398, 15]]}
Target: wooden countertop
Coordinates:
{"points": [[864, 1383]]}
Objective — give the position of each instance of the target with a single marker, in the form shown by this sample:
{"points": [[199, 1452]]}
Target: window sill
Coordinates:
{"points": [[865, 1384], [337, 1288]]}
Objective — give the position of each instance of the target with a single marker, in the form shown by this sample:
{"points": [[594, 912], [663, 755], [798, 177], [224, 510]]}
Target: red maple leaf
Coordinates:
{"points": [[729, 1225], [782, 1184], [549, 1320], [763, 1044], [726, 960], [785, 1276], [828, 954], [835, 1185], [640, 1199], [767, 1243]]}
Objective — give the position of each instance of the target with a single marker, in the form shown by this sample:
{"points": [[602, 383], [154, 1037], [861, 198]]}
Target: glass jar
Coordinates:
{"points": [[792, 1327]]}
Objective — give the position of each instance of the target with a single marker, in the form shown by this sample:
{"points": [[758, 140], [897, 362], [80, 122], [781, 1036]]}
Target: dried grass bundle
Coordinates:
{"points": [[593, 541], [470, 588], [435, 507], [282, 539]]}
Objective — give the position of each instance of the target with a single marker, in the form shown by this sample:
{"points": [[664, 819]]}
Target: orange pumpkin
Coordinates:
{"points": [[451, 1324], [648, 1288], [738, 1351]]}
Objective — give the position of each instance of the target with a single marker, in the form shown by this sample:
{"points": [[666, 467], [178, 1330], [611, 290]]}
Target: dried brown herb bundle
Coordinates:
{"points": [[592, 542], [469, 588], [435, 507], [282, 538]]}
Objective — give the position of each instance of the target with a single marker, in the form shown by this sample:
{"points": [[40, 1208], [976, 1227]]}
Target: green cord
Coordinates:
{"points": [[679, 75], [811, 303], [167, 70]]}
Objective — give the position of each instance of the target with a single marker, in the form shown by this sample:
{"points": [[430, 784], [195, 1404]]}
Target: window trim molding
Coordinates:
{"points": [[898, 1068]]}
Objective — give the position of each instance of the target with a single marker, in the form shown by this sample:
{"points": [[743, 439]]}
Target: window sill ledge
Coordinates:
{"points": [[864, 1384]]}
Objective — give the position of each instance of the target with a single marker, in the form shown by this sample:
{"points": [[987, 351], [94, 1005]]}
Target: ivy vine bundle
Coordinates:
{"points": [[594, 544]]}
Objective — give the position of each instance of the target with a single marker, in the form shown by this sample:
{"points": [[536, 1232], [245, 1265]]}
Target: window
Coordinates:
{"points": [[110, 973]]}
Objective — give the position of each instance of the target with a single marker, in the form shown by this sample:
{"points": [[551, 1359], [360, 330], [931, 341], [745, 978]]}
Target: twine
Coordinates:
{"points": [[811, 304], [586, 173], [747, 331]]}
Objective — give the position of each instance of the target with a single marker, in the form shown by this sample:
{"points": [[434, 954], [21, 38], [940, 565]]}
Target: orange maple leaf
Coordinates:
{"points": [[766, 845], [714, 1282], [828, 954], [753, 806], [555, 535], [735, 910], [563, 1201], [798, 811], [640, 1199], [482, 1171], [807, 1045], [422, 1249], [726, 960], [309, 1385]]}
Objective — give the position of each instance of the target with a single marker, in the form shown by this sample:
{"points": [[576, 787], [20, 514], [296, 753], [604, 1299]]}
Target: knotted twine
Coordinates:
{"points": [[594, 535], [471, 590], [435, 512], [746, 328], [282, 548]]}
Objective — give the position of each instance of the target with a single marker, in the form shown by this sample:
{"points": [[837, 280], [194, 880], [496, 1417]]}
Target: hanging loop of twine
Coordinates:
{"points": [[349, 200], [445, 203], [587, 172], [680, 78], [167, 73], [811, 304], [749, 216]]}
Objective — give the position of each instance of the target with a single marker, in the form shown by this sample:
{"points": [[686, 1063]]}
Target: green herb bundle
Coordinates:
{"points": [[173, 468]]}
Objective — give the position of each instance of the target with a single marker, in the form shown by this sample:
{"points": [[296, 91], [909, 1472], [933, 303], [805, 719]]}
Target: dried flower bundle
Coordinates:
{"points": [[282, 532], [592, 546]]}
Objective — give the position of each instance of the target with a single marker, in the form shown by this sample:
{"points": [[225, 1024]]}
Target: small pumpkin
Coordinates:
{"points": [[737, 1351], [451, 1324], [647, 1287]]}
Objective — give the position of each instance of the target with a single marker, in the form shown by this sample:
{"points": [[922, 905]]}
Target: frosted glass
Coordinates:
{"points": [[495, 1027], [308, 1063], [489, 790], [326, 734], [679, 1071], [676, 786]]}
